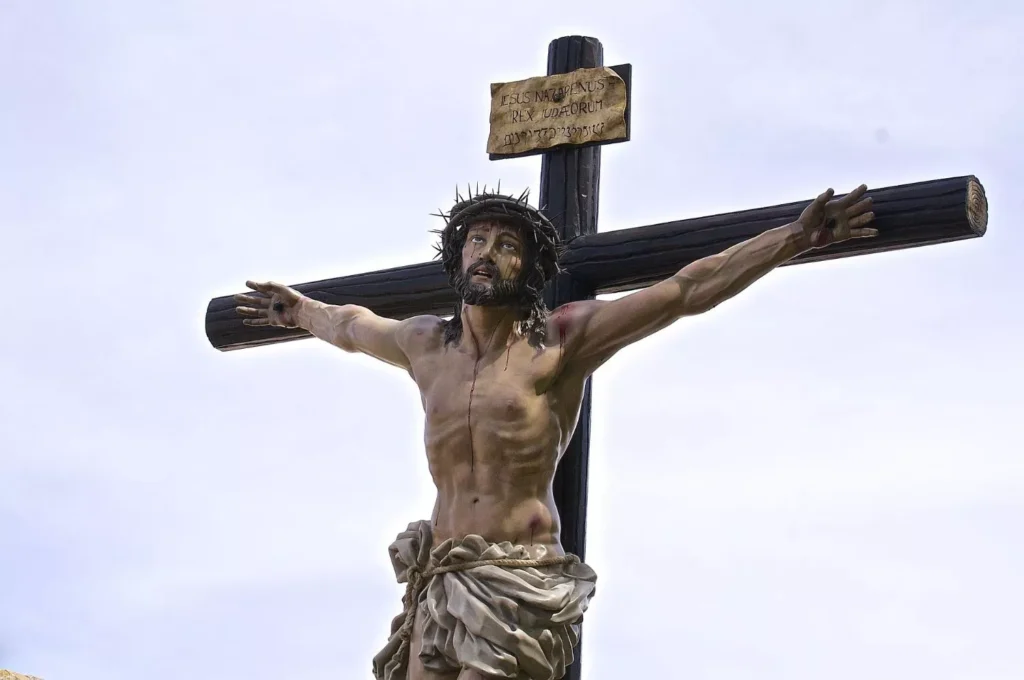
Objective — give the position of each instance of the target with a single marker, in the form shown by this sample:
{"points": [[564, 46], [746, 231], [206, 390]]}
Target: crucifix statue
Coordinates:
{"points": [[496, 585]]}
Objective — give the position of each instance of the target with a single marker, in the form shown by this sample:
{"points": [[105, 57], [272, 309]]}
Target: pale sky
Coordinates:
{"points": [[822, 478]]}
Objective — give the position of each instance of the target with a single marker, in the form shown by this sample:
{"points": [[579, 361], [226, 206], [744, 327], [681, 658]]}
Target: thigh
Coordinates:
{"points": [[416, 669]]}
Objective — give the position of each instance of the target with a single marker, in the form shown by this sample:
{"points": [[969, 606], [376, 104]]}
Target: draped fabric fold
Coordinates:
{"points": [[491, 607]]}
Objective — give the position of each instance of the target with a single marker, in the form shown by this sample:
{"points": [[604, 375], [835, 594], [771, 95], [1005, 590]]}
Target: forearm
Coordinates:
{"points": [[324, 321], [713, 280]]}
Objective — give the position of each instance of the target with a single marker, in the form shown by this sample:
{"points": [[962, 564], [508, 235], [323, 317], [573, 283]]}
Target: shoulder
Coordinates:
{"points": [[570, 319], [569, 327], [419, 331]]}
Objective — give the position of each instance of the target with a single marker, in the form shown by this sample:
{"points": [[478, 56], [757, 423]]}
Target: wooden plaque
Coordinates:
{"points": [[586, 106]]}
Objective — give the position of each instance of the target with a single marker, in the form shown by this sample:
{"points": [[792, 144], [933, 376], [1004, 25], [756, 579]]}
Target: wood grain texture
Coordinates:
{"points": [[906, 216]]}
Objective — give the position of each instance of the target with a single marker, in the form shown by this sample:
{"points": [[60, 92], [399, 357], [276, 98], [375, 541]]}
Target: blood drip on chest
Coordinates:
{"points": [[469, 418], [534, 524], [562, 325]]}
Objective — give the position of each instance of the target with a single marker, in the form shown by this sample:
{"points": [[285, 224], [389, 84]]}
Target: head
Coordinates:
{"points": [[499, 251], [491, 263]]}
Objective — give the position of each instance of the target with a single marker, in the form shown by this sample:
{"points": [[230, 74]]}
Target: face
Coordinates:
{"points": [[492, 259]]}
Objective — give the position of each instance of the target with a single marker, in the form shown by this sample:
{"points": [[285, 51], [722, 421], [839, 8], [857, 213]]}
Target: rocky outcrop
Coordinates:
{"points": [[11, 675]]}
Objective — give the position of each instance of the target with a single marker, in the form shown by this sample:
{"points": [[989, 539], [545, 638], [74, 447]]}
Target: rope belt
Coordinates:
{"points": [[418, 581]]}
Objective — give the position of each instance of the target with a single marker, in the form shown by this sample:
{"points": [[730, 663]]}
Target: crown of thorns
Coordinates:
{"points": [[516, 211]]}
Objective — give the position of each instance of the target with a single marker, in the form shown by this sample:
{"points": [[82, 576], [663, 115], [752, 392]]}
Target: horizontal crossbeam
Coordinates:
{"points": [[908, 215]]}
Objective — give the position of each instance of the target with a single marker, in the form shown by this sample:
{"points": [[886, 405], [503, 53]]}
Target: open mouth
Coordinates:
{"points": [[482, 273]]}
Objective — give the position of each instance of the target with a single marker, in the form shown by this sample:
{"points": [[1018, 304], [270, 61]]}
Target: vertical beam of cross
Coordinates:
{"points": [[569, 180]]}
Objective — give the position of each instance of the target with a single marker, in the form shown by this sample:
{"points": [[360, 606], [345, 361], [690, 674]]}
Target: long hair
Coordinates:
{"points": [[542, 251]]}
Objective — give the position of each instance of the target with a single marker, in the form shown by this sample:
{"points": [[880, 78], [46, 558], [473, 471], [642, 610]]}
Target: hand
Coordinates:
{"points": [[276, 307], [826, 221]]}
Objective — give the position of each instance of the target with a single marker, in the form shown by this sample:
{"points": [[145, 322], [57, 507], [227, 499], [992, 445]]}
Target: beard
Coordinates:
{"points": [[498, 292]]}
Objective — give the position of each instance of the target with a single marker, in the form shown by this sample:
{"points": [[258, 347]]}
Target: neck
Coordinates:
{"points": [[486, 327]]}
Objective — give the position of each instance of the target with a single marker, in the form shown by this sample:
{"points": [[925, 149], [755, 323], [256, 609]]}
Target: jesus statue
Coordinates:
{"points": [[490, 593]]}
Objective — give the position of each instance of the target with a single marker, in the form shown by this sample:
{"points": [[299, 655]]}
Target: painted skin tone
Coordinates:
{"points": [[499, 413]]}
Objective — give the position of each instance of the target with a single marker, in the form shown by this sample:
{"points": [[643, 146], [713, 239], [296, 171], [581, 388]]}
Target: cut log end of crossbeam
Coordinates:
{"points": [[977, 206]]}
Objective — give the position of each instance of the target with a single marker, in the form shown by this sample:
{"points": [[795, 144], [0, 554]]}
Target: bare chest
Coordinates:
{"points": [[500, 403], [501, 387]]}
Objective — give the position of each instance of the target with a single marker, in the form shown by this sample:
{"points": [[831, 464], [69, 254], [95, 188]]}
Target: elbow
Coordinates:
{"points": [[341, 337], [341, 333], [696, 296], [343, 343], [699, 306]]}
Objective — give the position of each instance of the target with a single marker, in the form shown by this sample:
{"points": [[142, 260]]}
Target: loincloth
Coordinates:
{"points": [[508, 620]]}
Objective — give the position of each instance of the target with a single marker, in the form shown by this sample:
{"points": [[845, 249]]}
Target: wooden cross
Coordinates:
{"points": [[909, 215]]}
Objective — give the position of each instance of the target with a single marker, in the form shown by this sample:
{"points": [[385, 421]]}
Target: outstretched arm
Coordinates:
{"points": [[604, 327], [354, 329], [350, 327]]}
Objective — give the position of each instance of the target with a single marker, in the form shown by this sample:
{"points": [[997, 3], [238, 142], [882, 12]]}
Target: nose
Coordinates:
{"points": [[489, 251]]}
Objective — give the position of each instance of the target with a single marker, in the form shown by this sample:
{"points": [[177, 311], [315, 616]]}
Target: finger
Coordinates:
{"points": [[267, 287], [249, 311], [256, 322], [860, 206], [825, 197], [855, 195], [861, 220], [863, 233], [252, 300]]}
